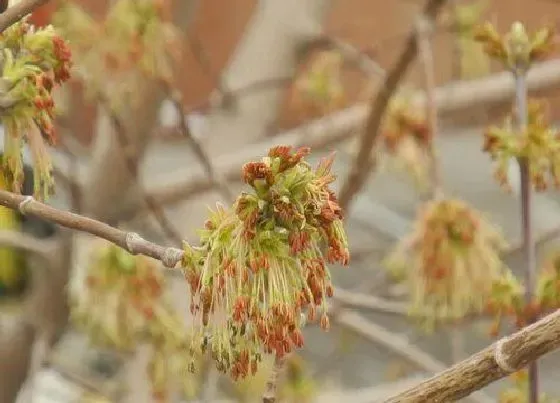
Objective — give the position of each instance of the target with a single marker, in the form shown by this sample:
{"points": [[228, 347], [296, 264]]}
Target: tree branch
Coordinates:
{"points": [[131, 157], [22, 241], [129, 241], [18, 11], [365, 159], [502, 358]]}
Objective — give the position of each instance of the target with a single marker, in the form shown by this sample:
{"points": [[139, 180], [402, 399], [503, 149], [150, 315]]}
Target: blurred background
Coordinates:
{"points": [[149, 141]]}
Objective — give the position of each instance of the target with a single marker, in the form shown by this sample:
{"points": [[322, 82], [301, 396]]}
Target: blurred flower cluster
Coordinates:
{"points": [[320, 86], [519, 391], [507, 298], [407, 137], [33, 61], [135, 40], [449, 262], [263, 262], [539, 144], [124, 306], [517, 49]]}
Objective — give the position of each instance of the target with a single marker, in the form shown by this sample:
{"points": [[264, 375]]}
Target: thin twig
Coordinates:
{"points": [[269, 395], [366, 159], [18, 11], [345, 124], [529, 255], [502, 358], [129, 241], [130, 159], [203, 157]]}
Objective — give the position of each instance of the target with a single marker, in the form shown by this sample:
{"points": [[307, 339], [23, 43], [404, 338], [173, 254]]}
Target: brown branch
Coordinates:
{"points": [[19, 240], [365, 160], [269, 395], [502, 358], [343, 125], [129, 241], [203, 157], [18, 11], [130, 159]]}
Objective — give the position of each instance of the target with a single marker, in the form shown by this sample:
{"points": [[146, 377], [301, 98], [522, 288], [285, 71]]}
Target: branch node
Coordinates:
{"points": [[24, 204], [132, 241], [171, 256], [501, 358]]}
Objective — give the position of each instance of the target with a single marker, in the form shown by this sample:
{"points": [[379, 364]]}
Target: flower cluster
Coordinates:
{"points": [[538, 144], [548, 287], [32, 62], [449, 262], [507, 297], [134, 40], [124, 305], [406, 136], [320, 87], [262, 263], [517, 50]]}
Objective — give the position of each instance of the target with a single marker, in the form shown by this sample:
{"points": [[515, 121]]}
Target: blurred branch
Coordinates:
{"points": [[350, 53], [397, 344], [18, 11], [343, 125], [131, 159], [365, 160], [200, 152], [269, 395], [129, 241], [502, 358], [27, 243]]}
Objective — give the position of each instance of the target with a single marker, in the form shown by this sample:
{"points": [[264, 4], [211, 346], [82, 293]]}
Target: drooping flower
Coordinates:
{"points": [[122, 305], [449, 262], [263, 262], [32, 62]]}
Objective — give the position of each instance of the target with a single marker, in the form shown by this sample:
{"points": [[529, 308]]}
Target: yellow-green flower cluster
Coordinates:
{"points": [[449, 262], [32, 62], [263, 262]]}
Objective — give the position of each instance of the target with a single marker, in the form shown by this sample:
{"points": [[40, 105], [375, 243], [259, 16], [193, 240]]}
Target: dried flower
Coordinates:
{"points": [[263, 262], [451, 261]]}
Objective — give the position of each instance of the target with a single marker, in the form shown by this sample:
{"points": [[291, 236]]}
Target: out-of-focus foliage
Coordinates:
{"points": [[124, 306], [135, 40], [449, 262]]}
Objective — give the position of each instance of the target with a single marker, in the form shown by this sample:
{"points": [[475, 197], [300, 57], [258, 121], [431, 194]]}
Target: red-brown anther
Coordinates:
{"points": [[325, 322], [329, 290], [256, 171], [61, 50], [300, 153], [254, 367], [282, 152], [311, 313], [38, 102], [297, 338]]}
